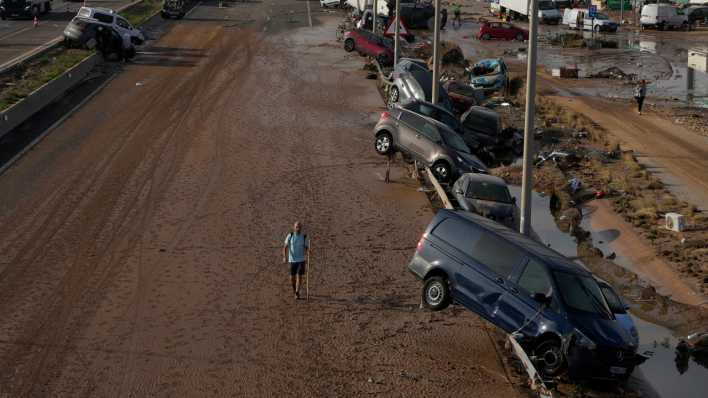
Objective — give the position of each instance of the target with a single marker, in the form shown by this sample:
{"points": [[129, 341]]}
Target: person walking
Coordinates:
{"points": [[457, 15], [295, 250], [443, 18], [640, 91]]}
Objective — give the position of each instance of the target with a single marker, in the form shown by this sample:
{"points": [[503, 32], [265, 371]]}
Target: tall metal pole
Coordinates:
{"points": [[373, 13], [621, 11], [397, 32], [527, 178], [436, 53]]}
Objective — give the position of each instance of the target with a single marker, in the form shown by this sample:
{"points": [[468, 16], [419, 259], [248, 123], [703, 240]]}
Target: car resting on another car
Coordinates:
{"points": [[424, 139], [369, 44], [487, 196], [551, 305]]}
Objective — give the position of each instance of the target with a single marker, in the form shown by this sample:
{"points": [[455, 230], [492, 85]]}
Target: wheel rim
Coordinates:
{"points": [[441, 171], [394, 94], [435, 293], [551, 359], [383, 143]]}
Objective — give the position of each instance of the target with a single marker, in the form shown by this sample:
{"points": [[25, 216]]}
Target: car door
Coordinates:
{"points": [[517, 308], [408, 132], [485, 275], [471, 286], [125, 31], [428, 141], [506, 31]]}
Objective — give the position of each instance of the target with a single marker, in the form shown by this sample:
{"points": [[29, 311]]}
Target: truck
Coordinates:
{"points": [[173, 9], [24, 8], [548, 12]]}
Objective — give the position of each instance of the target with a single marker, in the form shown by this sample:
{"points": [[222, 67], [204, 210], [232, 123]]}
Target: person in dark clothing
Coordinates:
{"points": [[640, 91], [443, 18]]}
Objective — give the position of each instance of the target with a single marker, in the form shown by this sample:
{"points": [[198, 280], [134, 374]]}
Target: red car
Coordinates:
{"points": [[501, 30], [369, 44]]}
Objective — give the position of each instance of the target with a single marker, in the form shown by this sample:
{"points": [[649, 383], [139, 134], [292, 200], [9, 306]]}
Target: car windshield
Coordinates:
{"points": [[454, 140], [602, 17], [580, 293], [485, 190], [546, 5]]}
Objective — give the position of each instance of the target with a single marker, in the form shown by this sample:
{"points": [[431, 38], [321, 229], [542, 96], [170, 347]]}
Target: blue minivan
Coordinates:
{"points": [[554, 307]]}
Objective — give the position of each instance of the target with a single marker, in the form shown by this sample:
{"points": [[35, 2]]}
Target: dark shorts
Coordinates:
{"points": [[297, 268]]}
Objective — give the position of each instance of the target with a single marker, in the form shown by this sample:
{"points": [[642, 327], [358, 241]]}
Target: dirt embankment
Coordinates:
{"points": [[141, 239]]}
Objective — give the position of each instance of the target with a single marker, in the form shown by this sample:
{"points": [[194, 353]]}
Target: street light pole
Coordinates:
{"points": [[373, 15], [397, 33], [621, 11], [436, 53], [527, 179]]}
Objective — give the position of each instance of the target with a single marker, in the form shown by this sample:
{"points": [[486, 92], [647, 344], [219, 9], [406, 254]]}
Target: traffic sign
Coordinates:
{"points": [[391, 29], [592, 12]]}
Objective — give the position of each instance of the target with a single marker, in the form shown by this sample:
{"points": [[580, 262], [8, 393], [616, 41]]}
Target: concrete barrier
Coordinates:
{"points": [[45, 95]]}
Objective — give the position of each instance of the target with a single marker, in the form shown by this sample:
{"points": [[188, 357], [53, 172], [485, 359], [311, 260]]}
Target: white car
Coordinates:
{"points": [[107, 17], [330, 3], [663, 16]]}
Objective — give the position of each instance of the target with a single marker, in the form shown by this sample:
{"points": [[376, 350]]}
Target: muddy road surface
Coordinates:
{"points": [[140, 241]]}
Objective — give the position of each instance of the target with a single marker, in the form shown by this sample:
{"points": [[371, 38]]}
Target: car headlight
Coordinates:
{"points": [[584, 341]]}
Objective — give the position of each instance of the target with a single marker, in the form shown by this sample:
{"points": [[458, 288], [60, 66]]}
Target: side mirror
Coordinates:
{"points": [[513, 200], [542, 298]]}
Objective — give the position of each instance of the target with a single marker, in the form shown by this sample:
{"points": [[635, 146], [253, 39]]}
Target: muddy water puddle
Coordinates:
{"points": [[665, 374]]}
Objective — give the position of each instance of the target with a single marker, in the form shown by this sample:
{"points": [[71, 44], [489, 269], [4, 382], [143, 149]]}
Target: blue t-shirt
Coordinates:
{"points": [[296, 247]]}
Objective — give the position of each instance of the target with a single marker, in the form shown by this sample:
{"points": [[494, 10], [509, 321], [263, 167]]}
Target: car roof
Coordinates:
{"points": [[418, 101], [490, 179], [98, 9], [550, 257]]}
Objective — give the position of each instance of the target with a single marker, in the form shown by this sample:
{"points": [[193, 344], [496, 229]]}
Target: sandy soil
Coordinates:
{"points": [[647, 264], [140, 248]]}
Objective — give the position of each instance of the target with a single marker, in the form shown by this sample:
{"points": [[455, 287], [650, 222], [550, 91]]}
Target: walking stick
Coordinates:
{"points": [[307, 272]]}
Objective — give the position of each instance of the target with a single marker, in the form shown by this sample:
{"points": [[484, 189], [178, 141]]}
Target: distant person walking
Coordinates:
{"points": [[640, 91], [295, 253], [457, 15], [443, 18]]}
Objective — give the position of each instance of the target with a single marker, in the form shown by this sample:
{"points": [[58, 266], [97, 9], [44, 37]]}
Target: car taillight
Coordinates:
{"points": [[420, 244], [385, 115]]}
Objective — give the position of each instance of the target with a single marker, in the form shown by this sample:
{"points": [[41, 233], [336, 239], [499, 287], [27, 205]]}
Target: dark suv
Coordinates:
{"points": [[552, 305]]}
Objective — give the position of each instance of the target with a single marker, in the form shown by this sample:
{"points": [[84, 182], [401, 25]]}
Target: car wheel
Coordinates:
{"points": [[486, 36], [519, 37], [382, 59], [394, 95], [442, 171], [686, 26], [349, 45], [596, 29], [436, 293], [383, 143], [549, 357]]}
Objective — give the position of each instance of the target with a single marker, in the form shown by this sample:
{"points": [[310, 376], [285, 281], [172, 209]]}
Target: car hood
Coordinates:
{"points": [[473, 161], [604, 332]]}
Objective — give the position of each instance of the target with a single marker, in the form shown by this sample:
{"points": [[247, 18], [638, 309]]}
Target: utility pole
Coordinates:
{"points": [[397, 33], [373, 14], [621, 11], [436, 53], [527, 178]]}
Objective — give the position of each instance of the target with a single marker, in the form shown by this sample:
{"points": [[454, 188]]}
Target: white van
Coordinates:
{"points": [[663, 16], [579, 18]]}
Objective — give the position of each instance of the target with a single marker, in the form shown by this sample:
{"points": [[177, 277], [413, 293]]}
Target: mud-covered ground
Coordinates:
{"points": [[140, 247]]}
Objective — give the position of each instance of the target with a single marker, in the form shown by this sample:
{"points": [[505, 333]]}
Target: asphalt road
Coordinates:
{"points": [[18, 36], [140, 241]]}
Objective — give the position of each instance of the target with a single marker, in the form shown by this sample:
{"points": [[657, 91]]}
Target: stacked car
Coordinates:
{"points": [[105, 30]]}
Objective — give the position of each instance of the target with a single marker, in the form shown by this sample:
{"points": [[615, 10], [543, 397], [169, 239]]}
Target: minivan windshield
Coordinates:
{"points": [[581, 293], [484, 190], [454, 141], [613, 300]]}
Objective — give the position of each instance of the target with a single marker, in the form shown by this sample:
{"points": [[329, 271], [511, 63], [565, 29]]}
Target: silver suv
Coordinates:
{"points": [[426, 140]]}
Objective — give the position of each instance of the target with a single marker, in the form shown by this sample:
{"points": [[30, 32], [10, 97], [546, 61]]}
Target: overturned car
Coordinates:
{"points": [[551, 305], [104, 30]]}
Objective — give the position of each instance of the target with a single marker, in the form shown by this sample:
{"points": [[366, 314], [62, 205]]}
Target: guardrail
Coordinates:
{"points": [[537, 383], [45, 95]]}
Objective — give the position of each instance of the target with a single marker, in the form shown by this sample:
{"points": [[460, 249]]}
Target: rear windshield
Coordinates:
{"points": [[105, 18], [485, 190], [581, 293], [84, 12]]}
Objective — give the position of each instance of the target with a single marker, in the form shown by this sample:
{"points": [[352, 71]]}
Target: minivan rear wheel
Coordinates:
{"points": [[349, 45], [549, 357], [436, 293]]}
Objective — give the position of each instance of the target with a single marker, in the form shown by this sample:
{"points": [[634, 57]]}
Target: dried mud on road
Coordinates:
{"points": [[139, 254]]}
